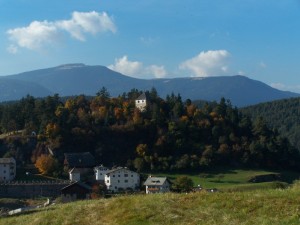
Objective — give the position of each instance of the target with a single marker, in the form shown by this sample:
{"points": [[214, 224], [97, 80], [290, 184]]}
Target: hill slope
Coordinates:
{"points": [[283, 115], [259, 207], [12, 89], [75, 79]]}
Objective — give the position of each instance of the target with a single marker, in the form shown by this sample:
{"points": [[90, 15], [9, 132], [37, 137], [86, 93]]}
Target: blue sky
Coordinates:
{"points": [[154, 38]]}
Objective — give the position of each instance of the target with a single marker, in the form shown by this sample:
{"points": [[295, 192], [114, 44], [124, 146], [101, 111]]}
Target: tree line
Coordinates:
{"points": [[170, 135], [282, 115]]}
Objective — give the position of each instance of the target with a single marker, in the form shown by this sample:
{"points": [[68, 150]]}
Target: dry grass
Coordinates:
{"points": [[253, 207]]}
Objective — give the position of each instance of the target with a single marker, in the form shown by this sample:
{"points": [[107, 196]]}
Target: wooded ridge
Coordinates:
{"points": [[169, 135]]}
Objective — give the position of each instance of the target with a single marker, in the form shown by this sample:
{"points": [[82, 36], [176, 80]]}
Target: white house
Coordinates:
{"points": [[7, 169], [157, 185], [141, 102], [74, 174], [100, 172], [122, 179]]}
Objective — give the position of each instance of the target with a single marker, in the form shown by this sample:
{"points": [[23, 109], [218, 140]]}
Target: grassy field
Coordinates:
{"points": [[234, 179], [234, 208]]}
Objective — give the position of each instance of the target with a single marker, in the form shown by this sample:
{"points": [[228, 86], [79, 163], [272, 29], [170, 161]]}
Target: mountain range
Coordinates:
{"points": [[76, 79]]}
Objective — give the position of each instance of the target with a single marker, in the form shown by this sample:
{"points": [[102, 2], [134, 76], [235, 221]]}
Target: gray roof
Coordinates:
{"points": [[79, 160], [7, 160], [117, 169], [156, 181], [142, 97], [75, 170], [83, 185]]}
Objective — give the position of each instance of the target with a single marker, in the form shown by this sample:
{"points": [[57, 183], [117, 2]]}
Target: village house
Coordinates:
{"points": [[7, 169], [157, 185], [74, 174], [75, 191], [100, 172], [121, 179], [141, 102], [79, 165]]}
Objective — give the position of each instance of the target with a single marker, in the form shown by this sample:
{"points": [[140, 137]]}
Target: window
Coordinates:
{"points": [[125, 175], [113, 175], [131, 175], [107, 181], [126, 181], [119, 175], [118, 181]]}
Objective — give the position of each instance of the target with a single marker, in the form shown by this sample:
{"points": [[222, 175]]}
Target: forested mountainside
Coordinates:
{"points": [[283, 115], [170, 135]]}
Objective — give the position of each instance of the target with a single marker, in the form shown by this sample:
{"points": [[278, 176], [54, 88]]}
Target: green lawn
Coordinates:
{"points": [[232, 179]]}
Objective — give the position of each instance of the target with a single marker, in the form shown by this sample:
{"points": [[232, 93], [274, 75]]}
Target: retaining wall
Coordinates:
{"points": [[31, 189]]}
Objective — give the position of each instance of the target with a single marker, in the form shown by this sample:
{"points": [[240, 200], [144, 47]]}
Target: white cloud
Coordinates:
{"points": [[241, 72], [157, 71], [148, 40], [208, 63], [35, 35], [40, 33], [262, 65], [123, 65], [284, 87], [90, 22], [137, 69], [12, 49]]}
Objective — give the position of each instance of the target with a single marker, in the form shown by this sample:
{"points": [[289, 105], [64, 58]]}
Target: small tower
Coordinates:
{"points": [[141, 102]]}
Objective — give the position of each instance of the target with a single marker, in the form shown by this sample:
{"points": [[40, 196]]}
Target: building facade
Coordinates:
{"points": [[157, 185], [122, 179], [100, 172], [141, 102], [7, 169]]}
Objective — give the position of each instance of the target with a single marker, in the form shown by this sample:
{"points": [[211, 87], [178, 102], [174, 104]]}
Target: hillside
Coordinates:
{"points": [[12, 89], [171, 135], [254, 207], [76, 79], [284, 115]]}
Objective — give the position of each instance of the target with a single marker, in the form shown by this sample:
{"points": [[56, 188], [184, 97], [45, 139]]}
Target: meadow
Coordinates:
{"points": [[227, 179], [272, 206]]}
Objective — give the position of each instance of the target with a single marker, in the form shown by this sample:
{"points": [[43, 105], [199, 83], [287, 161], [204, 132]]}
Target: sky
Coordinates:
{"points": [[147, 39]]}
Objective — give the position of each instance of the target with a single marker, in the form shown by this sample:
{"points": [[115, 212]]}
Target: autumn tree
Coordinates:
{"points": [[46, 164], [142, 149]]}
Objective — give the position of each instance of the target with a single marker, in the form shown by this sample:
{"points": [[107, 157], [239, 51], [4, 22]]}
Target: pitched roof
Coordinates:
{"points": [[156, 181], [7, 160], [142, 97], [75, 170], [77, 183], [117, 169], [101, 167], [79, 160]]}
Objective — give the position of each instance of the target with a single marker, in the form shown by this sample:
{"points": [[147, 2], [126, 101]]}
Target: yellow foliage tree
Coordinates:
{"points": [[52, 130], [141, 149]]}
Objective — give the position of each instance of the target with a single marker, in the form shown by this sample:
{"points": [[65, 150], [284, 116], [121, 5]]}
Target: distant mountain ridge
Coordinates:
{"points": [[75, 79]]}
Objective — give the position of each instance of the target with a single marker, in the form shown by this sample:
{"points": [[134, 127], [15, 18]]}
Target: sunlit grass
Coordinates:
{"points": [[252, 207], [224, 179]]}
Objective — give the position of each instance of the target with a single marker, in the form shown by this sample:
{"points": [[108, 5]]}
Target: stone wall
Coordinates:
{"points": [[32, 189]]}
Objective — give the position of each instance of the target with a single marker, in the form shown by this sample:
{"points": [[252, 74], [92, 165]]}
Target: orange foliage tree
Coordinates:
{"points": [[46, 164]]}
